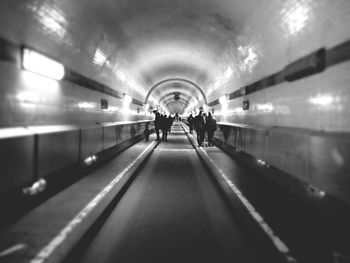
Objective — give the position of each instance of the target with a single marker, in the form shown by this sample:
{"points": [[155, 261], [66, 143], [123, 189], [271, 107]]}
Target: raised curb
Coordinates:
{"points": [[62, 243], [253, 226]]}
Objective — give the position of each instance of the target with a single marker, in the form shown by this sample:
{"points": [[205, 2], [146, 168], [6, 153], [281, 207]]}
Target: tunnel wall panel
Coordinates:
{"points": [[16, 160], [330, 163], [288, 150], [57, 150], [109, 137], [320, 160], [256, 140], [30, 153], [91, 141]]}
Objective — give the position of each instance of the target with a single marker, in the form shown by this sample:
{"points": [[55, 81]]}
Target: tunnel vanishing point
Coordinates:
{"points": [[80, 81]]}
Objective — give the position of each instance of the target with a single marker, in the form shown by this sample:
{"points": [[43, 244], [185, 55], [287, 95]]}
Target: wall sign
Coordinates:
{"points": [[246, 105], [104, 104]]}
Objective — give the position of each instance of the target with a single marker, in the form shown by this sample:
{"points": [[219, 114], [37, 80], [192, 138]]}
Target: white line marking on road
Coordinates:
{"points": [[279, 244], [176, 132], [46, 251], [12, 249], [175, 150]]}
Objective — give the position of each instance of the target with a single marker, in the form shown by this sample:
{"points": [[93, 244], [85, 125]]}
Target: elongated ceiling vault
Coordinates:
{"points": [[144, 49]]}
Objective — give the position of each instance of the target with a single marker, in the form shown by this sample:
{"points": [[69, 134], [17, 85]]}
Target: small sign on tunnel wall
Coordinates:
{"points": [[246, 105], [104, 104]]}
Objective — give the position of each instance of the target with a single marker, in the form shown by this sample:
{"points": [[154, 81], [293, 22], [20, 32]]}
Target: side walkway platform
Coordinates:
{"points": [[52, 228], [311, 234]]}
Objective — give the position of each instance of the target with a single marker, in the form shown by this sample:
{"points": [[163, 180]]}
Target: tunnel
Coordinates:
{"points": [[175, 131]]}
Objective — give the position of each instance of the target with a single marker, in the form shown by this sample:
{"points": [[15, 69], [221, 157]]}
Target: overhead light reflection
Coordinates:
{"points": [[126, 103], [268, 107], [121, 75], [28, 97], [146, 107], [249, 58], [86, 105], [295, 16], [111, 109], [39, 83], [99, 57], [223, 79], [51, 18], [322, 100]]}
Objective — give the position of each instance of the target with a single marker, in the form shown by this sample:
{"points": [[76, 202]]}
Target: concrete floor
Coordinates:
{"points": [[172, 212]]}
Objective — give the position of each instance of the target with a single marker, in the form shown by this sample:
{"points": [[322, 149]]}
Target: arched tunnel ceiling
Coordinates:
{"points": [[183, 88], [177, 105], [132, 45]]}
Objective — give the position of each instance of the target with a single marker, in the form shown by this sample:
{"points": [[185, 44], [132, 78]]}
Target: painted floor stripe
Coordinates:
{"points": [[175, 150], [279, 244], [47, 251], [12, 249]]}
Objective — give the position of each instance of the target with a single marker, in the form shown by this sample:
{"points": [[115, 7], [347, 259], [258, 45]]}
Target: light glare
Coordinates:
{"points": [[268, 107], [322, 100], [99, 58], [40, 64], [127, 99], [223, 100], [296, 16]]}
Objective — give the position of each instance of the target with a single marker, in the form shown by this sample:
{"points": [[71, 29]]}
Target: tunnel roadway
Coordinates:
{"points": [[172, 212]]}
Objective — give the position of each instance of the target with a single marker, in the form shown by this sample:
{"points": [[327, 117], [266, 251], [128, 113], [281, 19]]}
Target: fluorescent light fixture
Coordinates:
{"points": [[40, 64], [127, 99], [223, 99]]}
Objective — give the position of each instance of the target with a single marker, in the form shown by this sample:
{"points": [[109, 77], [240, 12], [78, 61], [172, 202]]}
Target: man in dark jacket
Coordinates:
{"points": [[211, 128], [190, 121], [170, 123], [157, 123], [200, 127], [164, 126]]}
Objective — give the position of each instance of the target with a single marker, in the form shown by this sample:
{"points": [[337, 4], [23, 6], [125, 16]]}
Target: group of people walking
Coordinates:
{"points": [[204, 125], [163, 123]]}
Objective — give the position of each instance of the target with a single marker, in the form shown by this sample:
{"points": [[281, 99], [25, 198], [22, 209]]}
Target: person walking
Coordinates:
{"points": [[164, 126], [170, 123], [146, 132], [211, 128], [157, 123], [190, 121], [200, 128]]}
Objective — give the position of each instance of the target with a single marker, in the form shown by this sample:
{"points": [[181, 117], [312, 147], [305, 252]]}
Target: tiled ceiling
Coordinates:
{"points": [[131, 45]]}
